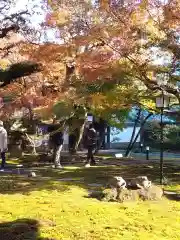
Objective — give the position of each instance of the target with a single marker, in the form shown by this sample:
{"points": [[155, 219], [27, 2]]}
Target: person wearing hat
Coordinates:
{"points": [[3, 144]]}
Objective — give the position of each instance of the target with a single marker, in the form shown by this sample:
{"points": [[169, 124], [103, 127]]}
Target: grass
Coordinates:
{"points": [[46, 208]]}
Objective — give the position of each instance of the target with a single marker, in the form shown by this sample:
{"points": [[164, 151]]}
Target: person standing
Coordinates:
{"points": [[3, 144], [91, 145], [57, 139], [56, 142]]}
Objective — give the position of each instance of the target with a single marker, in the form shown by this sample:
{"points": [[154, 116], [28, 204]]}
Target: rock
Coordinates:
{"points": [[118, 155], [153, 193], [109, 195], [87, 165], [139, 182], [116, 182], [32, 174], [127, 195]]}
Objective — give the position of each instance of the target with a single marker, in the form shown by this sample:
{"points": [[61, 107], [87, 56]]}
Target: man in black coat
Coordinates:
{"points": [[91, 145]]}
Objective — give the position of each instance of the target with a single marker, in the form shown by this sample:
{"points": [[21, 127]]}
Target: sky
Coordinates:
{"points": [[21, 5], [38, 14]]}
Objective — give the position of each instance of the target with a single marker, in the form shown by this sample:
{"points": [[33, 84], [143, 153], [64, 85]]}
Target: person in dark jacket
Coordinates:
{"points": [[56, 141], [91, 145]]}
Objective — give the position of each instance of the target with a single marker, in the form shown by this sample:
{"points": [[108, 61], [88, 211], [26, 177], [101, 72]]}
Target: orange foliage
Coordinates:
{"points": [[103, 38], [28, 91], [171, 15], [104, 4]]}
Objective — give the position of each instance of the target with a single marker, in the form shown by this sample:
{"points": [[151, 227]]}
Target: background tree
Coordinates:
{"points": [[100, 43], [131, 50], [129, 37], [171, 135]]}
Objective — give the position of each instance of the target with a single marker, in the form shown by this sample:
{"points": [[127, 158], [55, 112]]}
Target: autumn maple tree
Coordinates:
{"points": [[109, 55], [19, 81], [125, 43], [15, 28]]}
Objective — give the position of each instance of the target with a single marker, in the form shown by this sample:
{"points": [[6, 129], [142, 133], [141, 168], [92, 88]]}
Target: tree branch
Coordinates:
{"points": [[18, 70], [4, 31]]}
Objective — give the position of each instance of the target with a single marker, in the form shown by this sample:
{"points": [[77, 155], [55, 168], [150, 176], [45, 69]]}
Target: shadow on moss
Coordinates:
{"points": [[21, 229]]}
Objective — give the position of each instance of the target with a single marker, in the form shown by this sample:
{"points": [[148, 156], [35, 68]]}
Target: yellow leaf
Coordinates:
{"points": [[4, 63]]}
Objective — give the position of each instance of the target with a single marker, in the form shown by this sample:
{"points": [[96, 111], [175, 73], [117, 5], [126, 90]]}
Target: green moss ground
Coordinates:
{"points": [[46, 208]]}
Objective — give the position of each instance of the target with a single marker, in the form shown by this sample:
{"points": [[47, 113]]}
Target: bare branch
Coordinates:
{"points": [[4, 31]]}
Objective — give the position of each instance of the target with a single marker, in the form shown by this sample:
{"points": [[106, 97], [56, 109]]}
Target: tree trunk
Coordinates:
{"points": [[133, 132], [79, 135], [34, 152], [33, 130], [137, 135], [32, 122]]}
